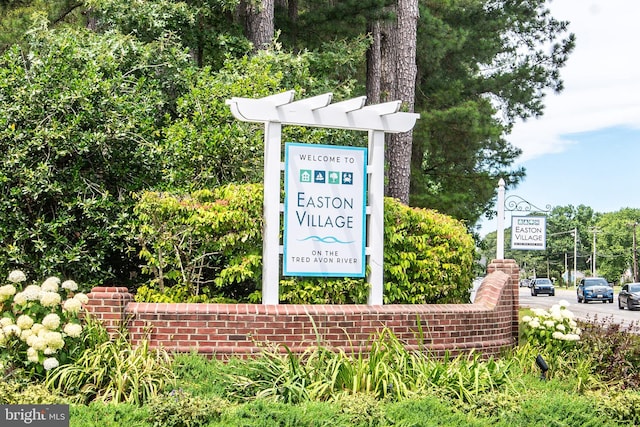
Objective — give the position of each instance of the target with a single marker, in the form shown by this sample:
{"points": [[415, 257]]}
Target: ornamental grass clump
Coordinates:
{"points": [[554, 330], [40, 326]]}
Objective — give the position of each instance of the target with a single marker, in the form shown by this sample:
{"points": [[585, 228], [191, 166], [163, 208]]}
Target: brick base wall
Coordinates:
{"points": [[488, 325]]}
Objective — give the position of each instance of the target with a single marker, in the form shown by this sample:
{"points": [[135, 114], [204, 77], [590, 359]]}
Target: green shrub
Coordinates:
{"points": [[208, 247], [99, 414], [78, 123], [18, 392], [207, 242], [614, 350], [179, 409]]}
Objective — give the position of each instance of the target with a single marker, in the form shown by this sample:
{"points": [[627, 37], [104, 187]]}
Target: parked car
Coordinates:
{"points": [[594, 289], [542, 285], [524, 283], [629, 296]]}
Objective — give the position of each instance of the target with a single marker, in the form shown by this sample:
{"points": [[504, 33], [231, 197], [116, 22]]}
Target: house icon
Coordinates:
{"points": [[305, 175]]}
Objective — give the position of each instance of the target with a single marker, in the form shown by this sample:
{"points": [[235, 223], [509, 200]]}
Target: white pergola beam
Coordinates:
{"points": [[318, 112]]}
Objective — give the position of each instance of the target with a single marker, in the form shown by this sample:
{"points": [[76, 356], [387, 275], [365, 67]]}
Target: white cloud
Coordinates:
{"points": [[602, 77]]}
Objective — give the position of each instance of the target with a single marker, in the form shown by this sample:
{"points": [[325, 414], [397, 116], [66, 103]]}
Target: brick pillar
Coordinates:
{"points": [[511, 268], [108, 306]]}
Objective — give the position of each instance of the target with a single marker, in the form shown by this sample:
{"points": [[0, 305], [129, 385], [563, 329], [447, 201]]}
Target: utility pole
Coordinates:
{"points": [[575, 255], [593, 258], [635, 253]]}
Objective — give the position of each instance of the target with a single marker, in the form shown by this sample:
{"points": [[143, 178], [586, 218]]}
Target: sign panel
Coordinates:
{"points": [[324, 210], [529, 232]]}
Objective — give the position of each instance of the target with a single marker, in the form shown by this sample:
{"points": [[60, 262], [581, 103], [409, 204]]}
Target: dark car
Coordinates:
{"points": [[629, 296], [594, 289], [542, 285]]}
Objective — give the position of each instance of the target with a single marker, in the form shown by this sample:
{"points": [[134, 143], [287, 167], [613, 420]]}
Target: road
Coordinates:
{"points": [[582, 311]]}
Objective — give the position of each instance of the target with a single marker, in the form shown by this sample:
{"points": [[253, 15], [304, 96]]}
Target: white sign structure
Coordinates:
{"points": [[324, 210], [529, 232], [318, 111]]}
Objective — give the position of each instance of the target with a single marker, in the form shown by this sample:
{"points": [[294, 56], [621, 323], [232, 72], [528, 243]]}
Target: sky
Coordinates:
{"points": [[585, 149]]}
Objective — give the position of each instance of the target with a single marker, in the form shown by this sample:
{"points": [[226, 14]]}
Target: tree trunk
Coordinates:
{"points": [[397, 81], [399, 145], [257, 18]]}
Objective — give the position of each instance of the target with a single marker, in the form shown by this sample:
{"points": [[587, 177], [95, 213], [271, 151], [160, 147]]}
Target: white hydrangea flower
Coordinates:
{"points": [[24, 322], [49, 351], [50, 284], [526, 319], [572, 337], [16, 276], [6, 292], [567, 314], [72, 305], [32, 355], [558, 335], [534, 324], [20, 298], [50, 299], [37, 327], [561, 327], [51, 321], [11, 330], [70, 285], [50, 363], [82, 298], [549, 323], [73, 329], [540, 312], [37, 342], [6, 321], [563, 303], [32, 292], [54, 340], [25, 334]]}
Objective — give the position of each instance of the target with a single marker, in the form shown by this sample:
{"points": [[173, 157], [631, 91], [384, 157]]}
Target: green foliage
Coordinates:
{"points": [[615, 351], [19, 392], [481, 65], [79, 121], [208, 247], [98, 414], [387, 370], [428, 256], [206, 27], [208, 242], [206, 147], [115, 371], [179, 409]]}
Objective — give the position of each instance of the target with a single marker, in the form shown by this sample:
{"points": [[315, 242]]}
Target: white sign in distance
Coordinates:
{"points": [[324, 210], [529, 232]]}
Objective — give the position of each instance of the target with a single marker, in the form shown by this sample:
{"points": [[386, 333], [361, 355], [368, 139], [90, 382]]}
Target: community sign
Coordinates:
{"points": [[529, 232], [324, 210]]}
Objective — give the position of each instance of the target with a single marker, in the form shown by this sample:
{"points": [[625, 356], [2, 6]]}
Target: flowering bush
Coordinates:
{"points": [[555, 329], [40, 325]]}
